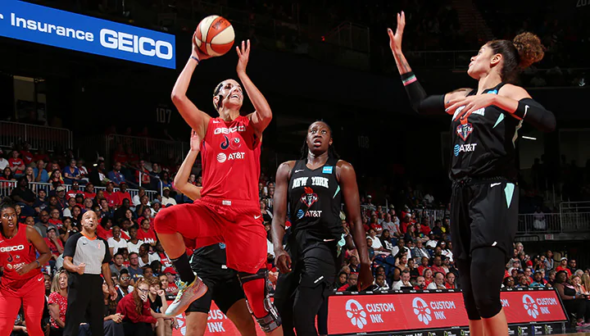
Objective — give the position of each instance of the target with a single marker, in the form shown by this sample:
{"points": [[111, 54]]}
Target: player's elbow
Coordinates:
{"points": [[177, 98]]}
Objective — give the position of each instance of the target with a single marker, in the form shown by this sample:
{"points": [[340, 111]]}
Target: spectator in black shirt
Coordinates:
{"points": [[43, 225], [24, 197], [41, 201]]}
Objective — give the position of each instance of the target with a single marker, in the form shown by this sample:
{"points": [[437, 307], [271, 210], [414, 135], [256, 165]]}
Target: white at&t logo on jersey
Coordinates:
{"points": [[221, 157], [12, 248], [464, 148]]}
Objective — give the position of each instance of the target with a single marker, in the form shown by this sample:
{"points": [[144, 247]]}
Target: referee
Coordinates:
{"points": [[86, 256]]}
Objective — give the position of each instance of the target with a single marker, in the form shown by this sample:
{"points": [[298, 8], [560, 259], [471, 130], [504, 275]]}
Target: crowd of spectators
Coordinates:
{"points": [[410, 245]]}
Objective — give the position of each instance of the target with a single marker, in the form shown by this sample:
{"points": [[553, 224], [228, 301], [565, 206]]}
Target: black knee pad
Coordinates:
{"points": [[271, 320], [487, 273]]}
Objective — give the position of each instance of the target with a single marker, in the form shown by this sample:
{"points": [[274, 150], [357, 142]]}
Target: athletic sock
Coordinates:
{"points": [[183, 267]]}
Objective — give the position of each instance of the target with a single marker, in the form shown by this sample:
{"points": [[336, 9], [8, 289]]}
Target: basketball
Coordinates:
{"points": [[214, 36]]}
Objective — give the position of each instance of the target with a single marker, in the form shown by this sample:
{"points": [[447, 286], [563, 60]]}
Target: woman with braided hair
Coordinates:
{"points": [[484, 130]]}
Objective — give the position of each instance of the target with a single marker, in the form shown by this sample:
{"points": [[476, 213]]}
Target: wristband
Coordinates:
{"points": [[196, 59], [408, 78], [38, 264]]}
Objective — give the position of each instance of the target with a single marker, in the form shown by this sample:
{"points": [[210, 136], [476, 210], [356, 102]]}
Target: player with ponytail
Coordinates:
{"points": [[484, 130]]}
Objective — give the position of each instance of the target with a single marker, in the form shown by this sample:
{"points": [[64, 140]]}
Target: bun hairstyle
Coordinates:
{"points": [[6, 203], [518, 54]]}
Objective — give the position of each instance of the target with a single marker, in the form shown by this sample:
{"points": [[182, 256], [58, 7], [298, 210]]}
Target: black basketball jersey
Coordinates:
{"points": [[315, 199], [484, 145]]}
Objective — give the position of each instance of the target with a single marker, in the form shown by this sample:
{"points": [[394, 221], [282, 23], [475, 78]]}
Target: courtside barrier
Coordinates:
{"points": [[420, 313]]}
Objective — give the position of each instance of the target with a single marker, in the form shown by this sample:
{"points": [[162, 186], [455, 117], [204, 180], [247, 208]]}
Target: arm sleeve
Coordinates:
{"points": [[423, 104], [71, 243], [535, 114]]}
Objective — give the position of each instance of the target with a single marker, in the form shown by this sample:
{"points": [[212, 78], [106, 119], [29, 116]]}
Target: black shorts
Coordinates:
{"points": [[315, 266], [224, 289], [483, 213]]}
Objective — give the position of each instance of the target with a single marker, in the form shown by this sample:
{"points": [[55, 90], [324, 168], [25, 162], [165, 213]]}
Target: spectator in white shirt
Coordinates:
{"points": [[446, 250], [166, 199], [404, 281], [388, 224], [438, 283], [133, 243], [420, 251], [3, 161], [376, 242], [137, 198], [116, 242], [145, 257], [381, 283], [433, 242]]}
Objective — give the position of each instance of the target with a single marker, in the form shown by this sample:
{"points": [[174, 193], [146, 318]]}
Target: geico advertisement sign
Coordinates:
{"points": [[415, 311], [43, 25], [217, 324]]}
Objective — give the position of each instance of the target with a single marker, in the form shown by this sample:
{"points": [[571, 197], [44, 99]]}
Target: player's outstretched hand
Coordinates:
{"points": [[243, 56], [283, 261], [395, 39], [365, 277], [195, 141], [471, 104], [198, 53]]}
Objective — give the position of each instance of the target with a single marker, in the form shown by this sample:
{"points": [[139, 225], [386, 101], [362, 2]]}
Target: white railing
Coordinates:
{"points": [[48, 138], [566, 222], [6, 188]]}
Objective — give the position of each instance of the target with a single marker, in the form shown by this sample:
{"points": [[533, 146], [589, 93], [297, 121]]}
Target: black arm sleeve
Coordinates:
{"points": [[423, 104], [535, 114]]}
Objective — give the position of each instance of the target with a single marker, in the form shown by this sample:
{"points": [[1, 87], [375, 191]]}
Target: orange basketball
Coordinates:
{"points": [[214, 36]]}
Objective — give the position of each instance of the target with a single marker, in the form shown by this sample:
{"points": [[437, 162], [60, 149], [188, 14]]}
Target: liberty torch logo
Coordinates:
{"points": [[356, 314], [421, 310], [530, 306]]}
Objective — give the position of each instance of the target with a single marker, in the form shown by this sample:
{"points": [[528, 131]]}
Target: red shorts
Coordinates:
{"points": [[208, 221], [32, 296]]}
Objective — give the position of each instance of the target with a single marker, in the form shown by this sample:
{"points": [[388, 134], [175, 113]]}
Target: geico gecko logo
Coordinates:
{"points": [[38, 24]]}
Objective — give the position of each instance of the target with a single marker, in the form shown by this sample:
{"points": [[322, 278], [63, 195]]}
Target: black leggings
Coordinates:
{"points": [[481, 277], [138, 329]]}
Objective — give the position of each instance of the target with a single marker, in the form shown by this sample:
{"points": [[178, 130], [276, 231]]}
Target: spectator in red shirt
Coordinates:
{"points": [[123, 193], [138, 318], [41, 155], [26, 155], [145, 178], [420, 283], [16, 164], [170, 286], [55, 245], [111, 197], [74, 191], [120, 155], [55, 218], [437, 267], [563, 267], [147, 214], [428, 276], [450, 281], [423, 229], [89, 191], [146, 233], [424, 266], [352, 282]]}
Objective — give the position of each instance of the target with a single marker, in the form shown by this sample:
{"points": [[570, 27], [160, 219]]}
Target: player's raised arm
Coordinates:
{"points": [[421, 102], [197, 119], [262, 115], [181, 180]]}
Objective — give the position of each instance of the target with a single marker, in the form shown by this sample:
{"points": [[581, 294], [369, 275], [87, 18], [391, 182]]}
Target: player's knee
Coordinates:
{"points": [[470, 306], [165, 221], [488, 305], [259, 303]]}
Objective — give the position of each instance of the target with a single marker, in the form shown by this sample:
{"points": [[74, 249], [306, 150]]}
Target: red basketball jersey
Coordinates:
{"points": [[15, 252], [230, 154]]}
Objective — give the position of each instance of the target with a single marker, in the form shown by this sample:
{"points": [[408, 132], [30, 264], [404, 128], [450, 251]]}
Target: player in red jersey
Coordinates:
{"points": [[22, 282], [228, 209]]}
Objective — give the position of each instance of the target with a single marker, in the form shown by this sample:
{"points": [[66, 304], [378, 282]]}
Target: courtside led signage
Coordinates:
{"points": [[28, 22]]}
